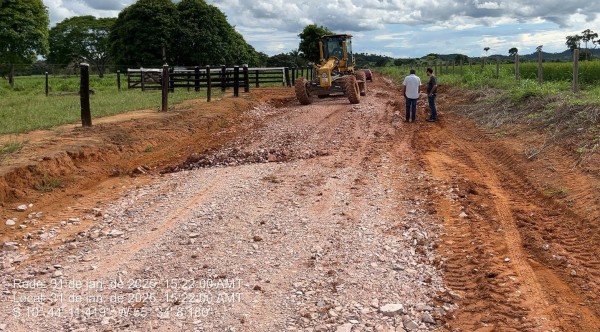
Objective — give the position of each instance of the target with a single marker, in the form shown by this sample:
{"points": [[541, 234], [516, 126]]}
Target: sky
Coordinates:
{"points": [[396, 28]]}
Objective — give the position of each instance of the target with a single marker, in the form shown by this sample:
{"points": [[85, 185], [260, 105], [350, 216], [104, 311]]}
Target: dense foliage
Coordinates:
{"points": [[204, 37], [292, 60], [309, 41], [142, 32], [81, 39], [23, 32]]}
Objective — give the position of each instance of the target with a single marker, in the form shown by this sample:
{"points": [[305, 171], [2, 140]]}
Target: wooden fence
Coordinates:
{"points": [[457, 68], [223, 77]]}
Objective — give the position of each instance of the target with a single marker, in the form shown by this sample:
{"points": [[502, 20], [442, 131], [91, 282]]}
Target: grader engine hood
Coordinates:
{"points": [[325, 77]]}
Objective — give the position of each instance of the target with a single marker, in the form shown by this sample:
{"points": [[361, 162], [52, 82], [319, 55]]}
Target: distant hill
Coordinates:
{"points": [[563, 56], [364, 60], [566, 55]]}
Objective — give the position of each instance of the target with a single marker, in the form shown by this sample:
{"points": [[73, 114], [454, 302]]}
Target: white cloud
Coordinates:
{"points": [[397, 26], [488, 5]]}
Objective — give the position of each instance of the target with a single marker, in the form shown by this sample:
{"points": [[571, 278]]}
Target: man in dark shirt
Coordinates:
{"points": [[431, 93]]}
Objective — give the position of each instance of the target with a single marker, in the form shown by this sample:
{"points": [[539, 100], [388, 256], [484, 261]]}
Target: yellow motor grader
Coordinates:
{"points": [[335, 74]]}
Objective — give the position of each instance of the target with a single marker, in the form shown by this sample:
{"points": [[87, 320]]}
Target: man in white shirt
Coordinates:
{"points": [[410, 89]]}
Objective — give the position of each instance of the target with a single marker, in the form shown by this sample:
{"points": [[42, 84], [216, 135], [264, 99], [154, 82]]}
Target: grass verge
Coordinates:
{"points": [[26, 107], [10, 148]]}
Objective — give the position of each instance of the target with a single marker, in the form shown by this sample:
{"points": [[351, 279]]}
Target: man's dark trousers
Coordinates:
{"points": [[431, 99], [411, 109]]}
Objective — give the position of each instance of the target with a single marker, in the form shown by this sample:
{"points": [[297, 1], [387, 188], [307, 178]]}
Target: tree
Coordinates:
{"points": [[281, 60], [81, 38], [262, 59], [23, 33], [382, 62], [298, 60], [461, 57], [432, 57], [364, 60], [573, 42], [539, 48], [486, 49], [143, 34], [309, 41], [206, 38], [587, 36], [513, 51]]}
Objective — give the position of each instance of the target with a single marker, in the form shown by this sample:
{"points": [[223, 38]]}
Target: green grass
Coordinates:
{"points": [[550, 108], [26, 107], [557, 80], [589, 71], [48, 183], [11, 147], [561, 192]]}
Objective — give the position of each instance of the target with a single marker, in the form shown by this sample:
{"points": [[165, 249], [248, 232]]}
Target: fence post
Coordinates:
{"points": [[142, 78], [128, 79], [287, 77], [84, 95], [236, 81], [208, 84], [46, 73], [187, 81], [517, 74], [453, 68], [256, 78], [119, 80], [540, 68], [223, 78], [497, 67], [246, 79], [576, 70], [197, 79], [165, 88], [172, 80]]}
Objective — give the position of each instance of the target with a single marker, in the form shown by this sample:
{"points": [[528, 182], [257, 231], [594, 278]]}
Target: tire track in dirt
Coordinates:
{"points": [[534, 297], [564, 237]]}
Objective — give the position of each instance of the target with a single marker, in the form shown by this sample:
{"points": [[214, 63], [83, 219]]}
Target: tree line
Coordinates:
{"points": [[146, 33], [573, 42], [587, 36]]}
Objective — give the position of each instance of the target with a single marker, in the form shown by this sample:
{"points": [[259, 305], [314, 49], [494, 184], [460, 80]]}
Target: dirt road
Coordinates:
{"points": [[281, 217]]}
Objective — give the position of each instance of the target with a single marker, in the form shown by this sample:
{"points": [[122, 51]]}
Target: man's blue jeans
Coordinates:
{"points": [[411, 108], [431, 100]]}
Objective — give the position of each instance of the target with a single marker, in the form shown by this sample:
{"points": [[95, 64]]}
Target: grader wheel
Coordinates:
{"points": [[362, 85], [352, 90], [302, 91]]}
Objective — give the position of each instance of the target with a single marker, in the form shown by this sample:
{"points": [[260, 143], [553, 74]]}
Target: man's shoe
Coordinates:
{"points": [[430, 120]]}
